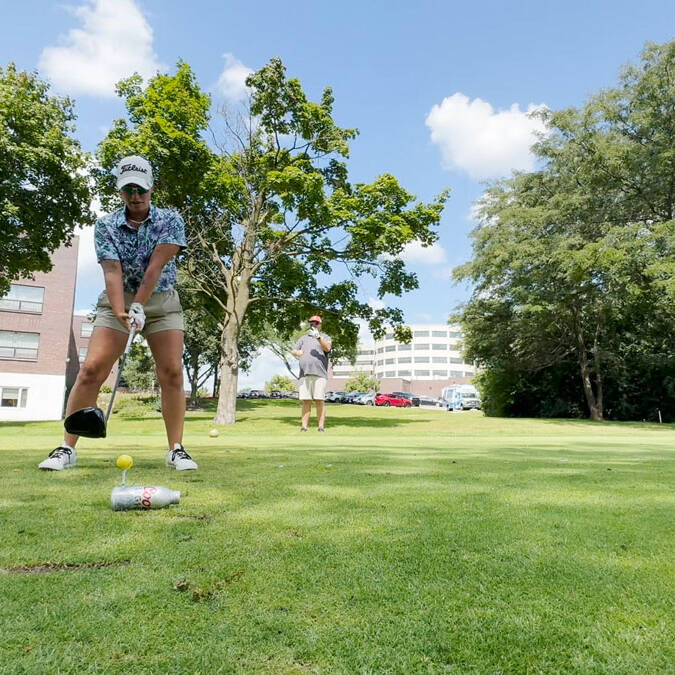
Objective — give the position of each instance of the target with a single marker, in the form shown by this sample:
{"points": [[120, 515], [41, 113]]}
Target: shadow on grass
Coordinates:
{"points": [[336, 422], [608, 424]]}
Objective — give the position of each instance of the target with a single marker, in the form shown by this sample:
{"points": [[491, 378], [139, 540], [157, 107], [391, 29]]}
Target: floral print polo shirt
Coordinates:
{"points": [[114, 239]]}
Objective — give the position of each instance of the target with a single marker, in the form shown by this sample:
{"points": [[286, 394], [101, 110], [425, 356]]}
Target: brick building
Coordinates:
{"points": [[38, 352], [82, 330]]}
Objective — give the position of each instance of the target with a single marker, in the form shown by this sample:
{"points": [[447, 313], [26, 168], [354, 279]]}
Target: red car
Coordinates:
{"points": [[391, 399]]}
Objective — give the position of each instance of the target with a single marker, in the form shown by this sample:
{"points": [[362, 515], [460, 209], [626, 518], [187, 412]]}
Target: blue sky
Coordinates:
{"points": [[439, 90]]}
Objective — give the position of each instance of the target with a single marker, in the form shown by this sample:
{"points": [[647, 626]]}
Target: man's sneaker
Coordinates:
{"points": [[59, 458], [321, 430], [180, 460], [303, 428]]}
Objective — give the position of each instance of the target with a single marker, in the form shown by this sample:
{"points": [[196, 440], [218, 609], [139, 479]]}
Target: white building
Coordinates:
{"points": [[431, 361]]}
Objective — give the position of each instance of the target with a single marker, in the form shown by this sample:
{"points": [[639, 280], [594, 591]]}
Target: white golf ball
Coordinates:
{"points": [[214, 433]]}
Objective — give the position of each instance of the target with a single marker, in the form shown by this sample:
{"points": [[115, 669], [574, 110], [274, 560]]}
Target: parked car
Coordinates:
{"points": [[429, 401], [414, 400], [352, 396], [257, 393], [334, 396], [387, 400], [366, 399]]}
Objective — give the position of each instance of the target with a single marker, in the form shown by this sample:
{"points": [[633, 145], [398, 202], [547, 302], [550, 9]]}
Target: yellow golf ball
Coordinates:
{"points": [[213, 433], [124, 462]]}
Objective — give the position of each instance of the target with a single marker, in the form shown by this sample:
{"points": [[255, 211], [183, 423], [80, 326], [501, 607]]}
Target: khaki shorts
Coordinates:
{"points": [[312, 388], [163, 311]]}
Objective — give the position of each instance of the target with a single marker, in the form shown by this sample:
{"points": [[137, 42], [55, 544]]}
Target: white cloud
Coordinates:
{"points": [[232, 81], [113, 42], [415, 253], [482, 141]]}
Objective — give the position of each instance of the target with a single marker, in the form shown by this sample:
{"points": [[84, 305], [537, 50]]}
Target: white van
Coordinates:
{"points": [[460, 397]]}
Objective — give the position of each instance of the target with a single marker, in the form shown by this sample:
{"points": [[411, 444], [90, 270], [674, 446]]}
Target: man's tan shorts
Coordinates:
{"points": [[163, 311], [312, 388]]}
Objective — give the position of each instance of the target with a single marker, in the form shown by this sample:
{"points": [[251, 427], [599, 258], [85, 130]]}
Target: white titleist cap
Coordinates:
{"points": [[136, 170]]}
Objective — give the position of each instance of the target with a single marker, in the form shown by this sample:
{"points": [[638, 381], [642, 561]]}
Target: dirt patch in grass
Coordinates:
{"points": [[46, 567]]}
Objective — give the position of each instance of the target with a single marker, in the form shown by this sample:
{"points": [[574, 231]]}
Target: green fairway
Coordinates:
{"points": [[400, 541]]}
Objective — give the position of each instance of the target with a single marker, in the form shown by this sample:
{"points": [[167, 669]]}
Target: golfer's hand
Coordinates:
{"points": [[123, 318], [136, 316]]}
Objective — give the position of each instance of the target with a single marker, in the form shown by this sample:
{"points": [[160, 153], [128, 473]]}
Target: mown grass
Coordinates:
{"points": [[401, 541]]}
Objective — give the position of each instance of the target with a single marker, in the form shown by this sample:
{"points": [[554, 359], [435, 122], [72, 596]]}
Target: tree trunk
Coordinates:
{"points": [[229, 374], [194, 383], [593, 401]]}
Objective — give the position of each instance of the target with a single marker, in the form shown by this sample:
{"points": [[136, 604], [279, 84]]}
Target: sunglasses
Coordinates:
{"points": [[130, 189]]}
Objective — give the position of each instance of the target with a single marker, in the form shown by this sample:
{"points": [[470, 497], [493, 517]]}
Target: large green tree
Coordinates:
{"points": [[44, 190], [276, 231], [285, 219], [573, 264]]}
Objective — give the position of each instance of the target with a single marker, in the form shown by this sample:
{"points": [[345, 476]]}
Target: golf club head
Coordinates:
{"points": [[88, 422]]}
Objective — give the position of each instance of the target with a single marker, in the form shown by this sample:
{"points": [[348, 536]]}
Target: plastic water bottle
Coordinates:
{"points": [[142, 497]]}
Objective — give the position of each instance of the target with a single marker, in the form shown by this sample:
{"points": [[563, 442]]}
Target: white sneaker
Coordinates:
{"points": [[59, 458], [180, 460]]}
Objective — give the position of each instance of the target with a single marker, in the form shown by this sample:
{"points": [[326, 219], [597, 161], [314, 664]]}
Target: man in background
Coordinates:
{"points": [[312, 351]]}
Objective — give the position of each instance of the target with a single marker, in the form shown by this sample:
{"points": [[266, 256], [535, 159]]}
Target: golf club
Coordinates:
{"points": [[90, 422]]}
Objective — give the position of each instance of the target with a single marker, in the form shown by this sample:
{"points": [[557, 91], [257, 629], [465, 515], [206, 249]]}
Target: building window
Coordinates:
{"points": [[456, 373], [469, 373], [424, 345], [389, 361], [390, 373], [389, 336], [404, 359], [422, 373], [380, 350], [390, 348], [366, 352], [13, 397], [86, 329], [23, 299], [421, 333], [380, 362], [20, 346], [404, 348], [439, 347], [439, 333], [83, 354], [404, 373], [440, 373], [454, 359], [421, 359], [455, 335], [439, 359]]}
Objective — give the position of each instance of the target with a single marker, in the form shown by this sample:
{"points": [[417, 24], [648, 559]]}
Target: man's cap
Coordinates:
{"points": [[316, 318], [134, 169]]}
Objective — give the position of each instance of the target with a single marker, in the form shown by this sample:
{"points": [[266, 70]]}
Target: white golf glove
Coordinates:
{"points": [[137, 315], [313, 331]]}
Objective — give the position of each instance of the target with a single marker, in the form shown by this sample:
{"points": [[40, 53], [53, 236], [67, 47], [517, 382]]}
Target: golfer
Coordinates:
{"points": [[136, 246], [312, 350]]}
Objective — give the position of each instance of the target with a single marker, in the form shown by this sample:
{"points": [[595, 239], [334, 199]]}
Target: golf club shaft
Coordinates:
{"points": [[132, 335]]}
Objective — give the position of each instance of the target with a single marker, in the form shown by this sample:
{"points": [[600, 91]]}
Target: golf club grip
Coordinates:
{"points": [[132, 335]]}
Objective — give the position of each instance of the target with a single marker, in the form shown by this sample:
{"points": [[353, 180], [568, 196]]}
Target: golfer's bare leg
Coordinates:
{"points": [[167, 350], [306, 412], [105, 347], [320, 413]]}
